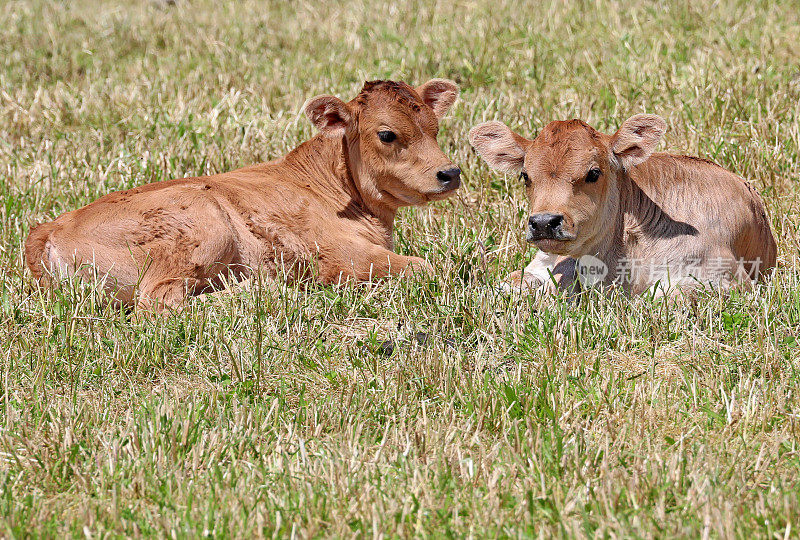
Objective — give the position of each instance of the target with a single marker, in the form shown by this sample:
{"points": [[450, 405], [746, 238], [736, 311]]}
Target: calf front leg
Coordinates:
{"points": [[545, 273], [383, 263], [367, 263]]}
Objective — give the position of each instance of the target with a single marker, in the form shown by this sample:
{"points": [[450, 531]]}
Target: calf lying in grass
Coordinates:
{"points": [[325, 209], [637, 218]]}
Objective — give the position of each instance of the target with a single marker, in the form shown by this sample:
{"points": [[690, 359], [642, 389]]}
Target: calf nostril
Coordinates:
{"points": [[546, 222], [449, 175]]}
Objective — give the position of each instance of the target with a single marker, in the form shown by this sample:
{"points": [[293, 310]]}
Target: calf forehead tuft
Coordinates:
{"points": [[567, 129], [565, 145], [399, 92], [566, 136]]}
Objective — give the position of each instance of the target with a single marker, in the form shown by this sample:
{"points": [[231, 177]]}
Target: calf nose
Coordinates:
{"points": [[544, 226], [450, 178]]}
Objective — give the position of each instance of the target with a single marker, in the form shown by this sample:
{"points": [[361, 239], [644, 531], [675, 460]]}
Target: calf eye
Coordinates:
{"points": [[593, 175], [387, 136], [526, 178]]}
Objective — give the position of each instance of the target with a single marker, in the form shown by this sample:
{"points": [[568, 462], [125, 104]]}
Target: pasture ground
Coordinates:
{"points": [[274, 415]]}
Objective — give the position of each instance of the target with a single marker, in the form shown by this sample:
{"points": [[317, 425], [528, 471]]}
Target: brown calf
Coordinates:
{"points": [[665, 219], [326, 208]]}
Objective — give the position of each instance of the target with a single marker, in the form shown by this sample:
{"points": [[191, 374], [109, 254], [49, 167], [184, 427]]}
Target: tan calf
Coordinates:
{"points": [[650, 218], [325, 209]]}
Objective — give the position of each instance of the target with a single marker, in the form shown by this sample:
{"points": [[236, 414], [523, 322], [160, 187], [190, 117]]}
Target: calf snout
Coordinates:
{"points": [[546, 226], [449, 178]]}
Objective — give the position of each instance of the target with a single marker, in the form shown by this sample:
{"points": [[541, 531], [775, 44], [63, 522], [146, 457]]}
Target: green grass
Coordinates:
{"points": [[274, 415]]}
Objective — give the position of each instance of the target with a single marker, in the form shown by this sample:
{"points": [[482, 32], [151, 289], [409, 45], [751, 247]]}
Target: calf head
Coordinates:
{"points": [[571, 174], [390, 132]]}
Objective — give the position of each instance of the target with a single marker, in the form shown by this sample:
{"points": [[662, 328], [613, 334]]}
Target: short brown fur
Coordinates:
{"points": [[661, 211], [325, 209]]}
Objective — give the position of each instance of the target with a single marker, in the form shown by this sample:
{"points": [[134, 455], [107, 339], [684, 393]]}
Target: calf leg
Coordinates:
{"points": [[540, 273], [367, 262], [165, 285], [382, 263], [159, 294]]}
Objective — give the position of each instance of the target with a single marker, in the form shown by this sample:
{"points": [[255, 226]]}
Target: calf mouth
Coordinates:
{"points": [[444, 192], [558, 235], [558, 241], [551, 245]]}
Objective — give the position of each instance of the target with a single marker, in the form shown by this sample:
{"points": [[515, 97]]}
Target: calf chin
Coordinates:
{"points": [[555, 247]]}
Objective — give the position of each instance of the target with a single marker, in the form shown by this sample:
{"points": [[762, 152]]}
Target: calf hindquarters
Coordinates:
{"points": [[165, 243], [35, 246]]}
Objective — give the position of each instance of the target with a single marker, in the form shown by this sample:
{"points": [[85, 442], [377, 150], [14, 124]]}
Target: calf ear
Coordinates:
{"points": [[500, 147], [439, 95], [329, 114], [637, 138]]}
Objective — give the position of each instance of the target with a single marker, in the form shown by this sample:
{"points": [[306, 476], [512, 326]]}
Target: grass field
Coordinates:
{"points": [[277, 415]]}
